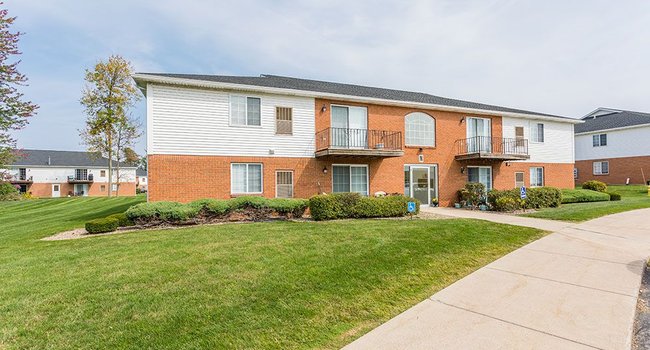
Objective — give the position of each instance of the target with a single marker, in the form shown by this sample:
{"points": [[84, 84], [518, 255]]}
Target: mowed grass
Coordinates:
{"points": [[265, 285], [632, 197]]}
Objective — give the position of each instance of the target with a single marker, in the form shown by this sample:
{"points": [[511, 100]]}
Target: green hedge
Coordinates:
{"points": [[538, 197], [582, 195], [108, 224], [595, 186], [173, 212], [8, 192], [353, 205], [122, 220], [614, 196]]}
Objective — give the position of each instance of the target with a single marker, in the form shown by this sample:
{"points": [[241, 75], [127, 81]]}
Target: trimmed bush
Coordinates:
{"points": [[538, 197], [595, 186], [108, 224], [295, 207], [581, 196], [8, 192], [162, 211], [507, 204], [122, 220], [614, 196], [473, 193], [353, 205]]}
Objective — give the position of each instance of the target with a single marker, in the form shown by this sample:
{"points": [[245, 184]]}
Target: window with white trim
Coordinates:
{"points": [[350, 178], [536, 177], [245, 111], [601, 168], [599, 140], [245, 178], [284, 184], [420, 129], [537, 132], [481, 174], [519, 179]]}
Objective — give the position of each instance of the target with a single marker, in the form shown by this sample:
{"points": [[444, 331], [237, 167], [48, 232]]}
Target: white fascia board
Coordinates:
{"points": [[145, 78], [612, 129]]}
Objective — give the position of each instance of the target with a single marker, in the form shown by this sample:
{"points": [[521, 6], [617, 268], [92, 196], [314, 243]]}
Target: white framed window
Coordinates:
{"points": [[420, 129], [245, 111], [537, 132], [599, 140], [283, 120], [284, 184], [601, 168], [114, 187], [350, 178], [102, 173], [519, 179], [482, 174], [536, 177], [246, 178]]}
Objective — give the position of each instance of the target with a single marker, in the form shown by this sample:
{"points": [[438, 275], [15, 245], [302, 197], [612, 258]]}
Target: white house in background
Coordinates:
{"points": [[141, 179], [46, 173], [613, 146]]}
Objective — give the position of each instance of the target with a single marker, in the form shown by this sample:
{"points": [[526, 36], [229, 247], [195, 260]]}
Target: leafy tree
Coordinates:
{"points": [[107, 97], [131, 157], [14, 110], [126, 132]]}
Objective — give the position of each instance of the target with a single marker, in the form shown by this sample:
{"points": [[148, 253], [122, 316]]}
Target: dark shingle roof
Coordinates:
{"points": [[140, 172], [616, 119], [276, 81], [37, 157]]}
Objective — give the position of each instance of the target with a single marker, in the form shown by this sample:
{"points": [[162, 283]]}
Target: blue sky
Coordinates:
{"points": [[561, 57]]}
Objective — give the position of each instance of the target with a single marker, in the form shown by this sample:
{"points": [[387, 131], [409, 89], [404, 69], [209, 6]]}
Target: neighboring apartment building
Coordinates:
{"points": [[612, 146], [45, 173], [141, 179], [224, 136]]}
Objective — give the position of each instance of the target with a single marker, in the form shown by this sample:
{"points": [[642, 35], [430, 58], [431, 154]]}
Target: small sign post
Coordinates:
{"points": [[411, 208], [523, 192]]}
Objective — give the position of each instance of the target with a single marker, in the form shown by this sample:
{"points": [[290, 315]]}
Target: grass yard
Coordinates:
{"points": [[632, 197], [265, 285]]}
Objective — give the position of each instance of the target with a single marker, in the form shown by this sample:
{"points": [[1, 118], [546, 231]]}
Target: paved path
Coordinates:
{"points": [[573, 289]]}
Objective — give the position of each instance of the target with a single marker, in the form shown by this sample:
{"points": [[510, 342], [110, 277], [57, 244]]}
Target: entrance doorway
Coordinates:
{"points": [[421, 182], [56, 190]]}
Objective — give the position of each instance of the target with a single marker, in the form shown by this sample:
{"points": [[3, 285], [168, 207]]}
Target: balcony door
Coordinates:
{"points": [[349, 127], [479, 135]]}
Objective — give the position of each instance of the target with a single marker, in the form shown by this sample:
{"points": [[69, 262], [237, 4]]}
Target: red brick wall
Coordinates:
{"points": [[44, 190], [619, 170]]}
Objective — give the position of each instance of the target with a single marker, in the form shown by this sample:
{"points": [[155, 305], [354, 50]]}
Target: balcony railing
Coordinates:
{"points": [[21, 179], [80, 179], [362, 142], [487, 147]]}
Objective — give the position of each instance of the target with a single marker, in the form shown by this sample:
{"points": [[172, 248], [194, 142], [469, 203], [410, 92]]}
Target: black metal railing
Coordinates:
{"points": [[492, 145], [344, 138], [81, 178]]}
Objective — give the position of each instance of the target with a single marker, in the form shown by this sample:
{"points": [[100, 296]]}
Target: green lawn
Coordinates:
{"points": [[266, 285], [632, 197]]}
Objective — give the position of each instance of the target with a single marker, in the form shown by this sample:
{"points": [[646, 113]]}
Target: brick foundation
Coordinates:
{"points": [[44, 190], [620, 169]]}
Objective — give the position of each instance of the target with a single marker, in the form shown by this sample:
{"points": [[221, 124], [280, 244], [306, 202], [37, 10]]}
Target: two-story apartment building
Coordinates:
{"points": [[46, 173], [613, 146], [223, 136]]}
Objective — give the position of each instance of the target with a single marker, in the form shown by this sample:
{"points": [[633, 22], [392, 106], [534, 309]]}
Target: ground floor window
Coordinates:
{"points": [[601, 168], [245, 178], [421, 183], [350, 178], [519, 179], [536, 177], [284, 184], [482, 174]]}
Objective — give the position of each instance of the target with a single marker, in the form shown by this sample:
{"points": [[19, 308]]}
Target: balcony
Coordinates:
{"points": [[491, 148], [21, 180], [80, 179], [344, 142]]}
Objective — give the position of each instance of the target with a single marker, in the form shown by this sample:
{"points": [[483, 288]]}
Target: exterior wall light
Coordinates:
{"points": [[462, 170], [324, 108], [325, 170]]}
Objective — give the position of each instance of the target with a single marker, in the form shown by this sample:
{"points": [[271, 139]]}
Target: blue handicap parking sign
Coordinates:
{"points": [[523, 192], [411, 207]]}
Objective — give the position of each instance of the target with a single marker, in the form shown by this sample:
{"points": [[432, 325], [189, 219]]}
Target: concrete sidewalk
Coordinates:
{"points": [[574, 289]]}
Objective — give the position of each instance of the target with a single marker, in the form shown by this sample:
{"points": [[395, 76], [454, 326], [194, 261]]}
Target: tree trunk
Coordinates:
{"points": [[110, 163]]}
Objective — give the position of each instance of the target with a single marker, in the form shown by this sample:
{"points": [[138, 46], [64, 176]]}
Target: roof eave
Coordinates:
{"points": [[143, 79]]}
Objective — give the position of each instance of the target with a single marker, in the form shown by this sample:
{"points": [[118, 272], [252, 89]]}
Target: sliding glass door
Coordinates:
{"points": [[349, 127], [479, 135]]}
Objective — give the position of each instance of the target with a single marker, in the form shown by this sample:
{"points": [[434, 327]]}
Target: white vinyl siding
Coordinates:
{"points": [[536, 177], [599, 140], [420, 129], [197, 122], [350, 178], [245, 111], [558, 142], [246, 178], [601, 168], [628, 142]]}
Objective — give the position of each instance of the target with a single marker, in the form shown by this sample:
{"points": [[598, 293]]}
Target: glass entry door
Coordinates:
{"points": [[420, 182]]}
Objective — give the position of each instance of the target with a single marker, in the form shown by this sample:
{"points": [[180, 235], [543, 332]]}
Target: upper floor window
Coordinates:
{"points": [[537, 132], [283, 120], [245, 111], [599, 140], [420, 129], [81, 174], [22, 173], [102, 173]]}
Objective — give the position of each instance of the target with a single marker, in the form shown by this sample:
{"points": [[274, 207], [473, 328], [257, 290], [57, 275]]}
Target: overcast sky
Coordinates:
{"points": [[559, 57]]}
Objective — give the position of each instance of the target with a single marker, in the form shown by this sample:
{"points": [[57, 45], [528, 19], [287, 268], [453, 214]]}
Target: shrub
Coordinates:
{"points": [[295, 207], [614, 196], [162, 211], [353, 205], [581, 196], [507, 204], [211, 206], [108, 224], [8, 192], [473, 193], [538, 197], [248, 202], [595, 186], [122, 220]]}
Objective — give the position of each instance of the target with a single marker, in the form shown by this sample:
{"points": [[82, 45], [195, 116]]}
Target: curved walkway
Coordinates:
{"points": [[573, 289]]}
